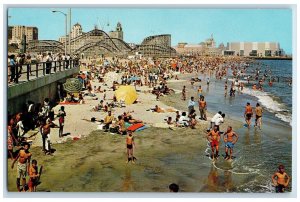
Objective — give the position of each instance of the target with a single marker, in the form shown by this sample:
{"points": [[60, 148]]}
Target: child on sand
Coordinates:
{"points": [[33, 174], [183, 93], [61, 114], [280, 179]]}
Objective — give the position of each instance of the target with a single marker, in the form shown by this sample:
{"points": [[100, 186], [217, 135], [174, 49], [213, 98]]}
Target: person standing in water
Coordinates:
{"points": [[229, 141], [258, 115], [280, 179], [248, 114], [200, 92], [129, 145], [225, 89]]}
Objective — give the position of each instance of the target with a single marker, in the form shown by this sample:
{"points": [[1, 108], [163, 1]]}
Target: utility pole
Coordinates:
{"points": [[70, 31]]}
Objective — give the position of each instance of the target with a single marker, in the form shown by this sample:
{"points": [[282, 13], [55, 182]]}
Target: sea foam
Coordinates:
{"points": [[272, 105]]}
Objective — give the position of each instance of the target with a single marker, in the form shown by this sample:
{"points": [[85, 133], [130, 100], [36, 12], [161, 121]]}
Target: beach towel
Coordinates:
{"points": [[127, 125], [141, 128], [134, 127]]}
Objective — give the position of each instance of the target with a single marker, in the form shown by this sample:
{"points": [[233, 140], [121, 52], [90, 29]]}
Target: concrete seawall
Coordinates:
{"points": [[36, 90]]}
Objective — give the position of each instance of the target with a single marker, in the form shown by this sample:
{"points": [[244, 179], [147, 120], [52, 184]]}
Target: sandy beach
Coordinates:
{"points": [[97, 159]]}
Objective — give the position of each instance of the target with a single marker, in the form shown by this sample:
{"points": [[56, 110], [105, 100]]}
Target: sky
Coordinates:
{"points": [[185, 25]]}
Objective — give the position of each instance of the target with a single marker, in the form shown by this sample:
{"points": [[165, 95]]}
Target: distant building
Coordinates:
{"points": [[15, 34], [63, 39], [206, 48], [260, 49], [76, 30], [118, 33]]}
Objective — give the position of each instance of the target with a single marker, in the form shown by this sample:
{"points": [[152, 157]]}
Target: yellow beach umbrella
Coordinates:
{"points": [[127, 94]]}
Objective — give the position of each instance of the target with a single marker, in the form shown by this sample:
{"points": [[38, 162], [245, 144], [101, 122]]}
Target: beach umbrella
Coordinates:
{"points": [[72, 85], [126, 94]]}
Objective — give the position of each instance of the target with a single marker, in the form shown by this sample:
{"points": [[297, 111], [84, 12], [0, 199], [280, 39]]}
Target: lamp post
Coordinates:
{"points": [[66, 29]]}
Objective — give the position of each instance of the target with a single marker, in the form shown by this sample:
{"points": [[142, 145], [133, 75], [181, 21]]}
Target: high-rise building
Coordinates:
{"points": [[118, 33], [76, 30], [15, 33]]}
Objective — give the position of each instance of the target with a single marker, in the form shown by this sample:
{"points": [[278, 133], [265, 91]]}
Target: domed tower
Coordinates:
{"points": [[118, 33], [76, 30], [119, 27]]}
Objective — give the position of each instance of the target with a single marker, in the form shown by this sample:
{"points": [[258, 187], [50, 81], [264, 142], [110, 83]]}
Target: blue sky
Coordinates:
{"points": [[185, 25]]}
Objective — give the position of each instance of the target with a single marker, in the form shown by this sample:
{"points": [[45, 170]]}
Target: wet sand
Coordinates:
{"points": [[97, 163]]}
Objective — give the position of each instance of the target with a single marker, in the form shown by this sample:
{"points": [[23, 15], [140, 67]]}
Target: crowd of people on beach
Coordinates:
{"points": [[34, 115], [153, 73]]}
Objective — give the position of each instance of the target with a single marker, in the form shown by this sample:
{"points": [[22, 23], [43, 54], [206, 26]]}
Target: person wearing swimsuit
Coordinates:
{"points": [[258, 115], [129, 145], [213, 137], [229, 141], [248, 114], [280, 179]]}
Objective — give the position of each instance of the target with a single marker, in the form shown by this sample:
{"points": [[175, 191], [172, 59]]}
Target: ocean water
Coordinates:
{"points": [[278, 97], [258, 152]]}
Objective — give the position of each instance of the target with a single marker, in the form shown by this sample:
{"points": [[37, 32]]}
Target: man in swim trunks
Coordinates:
{"points": [[258, 115], [229, 141], [129, 144], [248, 114], [280, 179], [213, 137], [202, 108], [22, 166]]}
